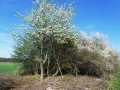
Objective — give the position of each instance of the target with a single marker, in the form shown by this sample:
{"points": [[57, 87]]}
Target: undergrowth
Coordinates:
{"points": [[115, 83]]}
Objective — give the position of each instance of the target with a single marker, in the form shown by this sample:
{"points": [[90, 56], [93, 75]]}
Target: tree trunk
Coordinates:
{"points": [[76, 71], [56, 72], [36, 69], [42, 72]]}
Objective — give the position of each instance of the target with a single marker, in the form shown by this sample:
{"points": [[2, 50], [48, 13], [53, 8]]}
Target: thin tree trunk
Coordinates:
{"points": [[59, 69], [76, 71], [41, 63], [48, 72], [56, 72], [36, 69], [42, 72]]}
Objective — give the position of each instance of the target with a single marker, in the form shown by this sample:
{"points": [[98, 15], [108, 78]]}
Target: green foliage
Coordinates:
{"points": [[114, 84]]}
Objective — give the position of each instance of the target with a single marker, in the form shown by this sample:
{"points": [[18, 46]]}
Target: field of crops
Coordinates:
{"points": [[7, 68]]}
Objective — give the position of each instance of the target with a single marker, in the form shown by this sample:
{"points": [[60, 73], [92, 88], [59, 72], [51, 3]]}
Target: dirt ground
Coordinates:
{"points": [[66, 83]]}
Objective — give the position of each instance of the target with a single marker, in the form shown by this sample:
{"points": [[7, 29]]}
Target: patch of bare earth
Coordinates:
{"points": [[65, 83]]}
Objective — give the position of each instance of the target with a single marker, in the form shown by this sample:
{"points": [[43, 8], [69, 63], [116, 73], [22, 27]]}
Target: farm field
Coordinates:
{"points": [[7, 68]]}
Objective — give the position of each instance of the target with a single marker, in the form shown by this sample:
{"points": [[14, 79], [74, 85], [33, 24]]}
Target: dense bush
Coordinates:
{"points": [[90, 68], [85, 57], [95, 57]]}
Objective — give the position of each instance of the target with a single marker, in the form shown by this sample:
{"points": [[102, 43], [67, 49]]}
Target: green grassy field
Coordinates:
{"points": [[7, 68], [115, 83]]}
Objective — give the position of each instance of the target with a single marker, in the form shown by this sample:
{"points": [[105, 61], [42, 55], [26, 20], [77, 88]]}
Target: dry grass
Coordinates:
{"points": [[66, 83], [7, 82]]}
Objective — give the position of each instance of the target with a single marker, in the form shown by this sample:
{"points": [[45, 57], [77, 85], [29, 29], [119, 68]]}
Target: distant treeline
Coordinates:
{"points": [[5, 59]]}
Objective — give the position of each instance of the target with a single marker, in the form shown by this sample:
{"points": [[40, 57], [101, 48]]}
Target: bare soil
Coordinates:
{"points": [[66, 83]]}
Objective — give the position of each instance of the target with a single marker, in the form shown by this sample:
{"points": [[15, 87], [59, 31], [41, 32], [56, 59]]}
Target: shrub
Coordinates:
{"points": [[90, 68], [94, 56]]}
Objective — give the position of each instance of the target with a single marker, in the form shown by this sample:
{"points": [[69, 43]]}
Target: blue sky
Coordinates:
{"points": [[91, 16]]}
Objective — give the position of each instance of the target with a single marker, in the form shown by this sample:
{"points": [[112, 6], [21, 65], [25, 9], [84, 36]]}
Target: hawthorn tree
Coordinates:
{"points": [[45, 31]]}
